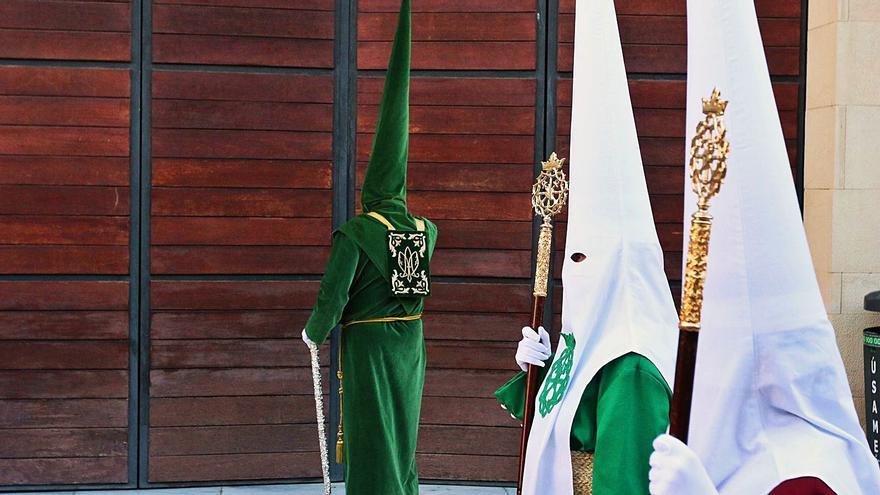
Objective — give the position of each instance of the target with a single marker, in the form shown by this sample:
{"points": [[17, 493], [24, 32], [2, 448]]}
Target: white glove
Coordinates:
{"points": [[533, 348], [676, 470], [307, 340]]}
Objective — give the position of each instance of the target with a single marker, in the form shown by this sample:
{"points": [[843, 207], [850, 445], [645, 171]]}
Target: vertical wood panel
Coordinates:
{"points": [[63, 382], [64, 211], [242, 167]]}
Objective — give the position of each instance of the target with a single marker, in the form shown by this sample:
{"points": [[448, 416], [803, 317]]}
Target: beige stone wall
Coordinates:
{"points": [[842, 167]]}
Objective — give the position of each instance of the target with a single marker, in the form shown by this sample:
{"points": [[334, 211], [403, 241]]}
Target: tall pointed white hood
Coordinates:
{"points": [[771, 399], [617, 299]]}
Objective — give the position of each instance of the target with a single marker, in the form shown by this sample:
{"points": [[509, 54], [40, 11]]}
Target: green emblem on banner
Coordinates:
{"points": [[408, 252], [558, 377]]}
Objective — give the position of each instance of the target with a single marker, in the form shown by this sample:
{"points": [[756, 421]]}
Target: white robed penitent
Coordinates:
{"points": [[617, 299], [771, 398]]}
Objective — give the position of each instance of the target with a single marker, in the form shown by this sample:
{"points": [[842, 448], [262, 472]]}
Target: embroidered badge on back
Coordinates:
{"points": [[557, 378], [408, 261]]}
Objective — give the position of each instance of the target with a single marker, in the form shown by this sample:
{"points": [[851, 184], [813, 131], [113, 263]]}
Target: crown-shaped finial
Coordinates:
{"points": [[714, 104], [553, 162]]}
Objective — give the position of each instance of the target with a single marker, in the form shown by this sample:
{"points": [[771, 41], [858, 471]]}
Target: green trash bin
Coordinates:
{"points": [[872, 377]]}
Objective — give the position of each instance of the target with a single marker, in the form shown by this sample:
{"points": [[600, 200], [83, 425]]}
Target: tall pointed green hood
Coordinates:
{"points": [[385, 182]]}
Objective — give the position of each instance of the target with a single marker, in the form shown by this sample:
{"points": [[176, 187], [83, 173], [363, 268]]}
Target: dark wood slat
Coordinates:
{"points": [[63, 384], [442, 91], [31, 229], [463, 411], [463, 383], [240, 231], [64, 170], [480, 297], [483, 235], [67, 295], [474, 326], [485, 356], [470, 440], [59, 200], [275, 116], [241, 173], [49, 260], [446, 148], [287, 203], [237, 86], [65, 15], [199, 143], [225, 382], [63, 355], [464, 177], [181, 354], [467, 467], [64, 413], [452, 26], [78, 470], [64, 111], [231, 50], [489, 55], [207, 411], [67, 45], [53, 442], [68, 325], [234, 466], [252, 21], [250, 439], [471, 206], [220, 260], [67, 141], [249, 324], [481, 263], [459, 120], [233, 295], [450, 6], [275, 4], [63, 81]]}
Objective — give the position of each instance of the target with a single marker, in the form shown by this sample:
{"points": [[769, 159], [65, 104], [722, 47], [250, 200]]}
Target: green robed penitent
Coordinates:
{"points": [[374, 285]]}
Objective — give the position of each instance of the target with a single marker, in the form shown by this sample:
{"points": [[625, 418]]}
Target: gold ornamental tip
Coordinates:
{"points": [[553, 162], [709, 151], [714, 105], [550, 191]]}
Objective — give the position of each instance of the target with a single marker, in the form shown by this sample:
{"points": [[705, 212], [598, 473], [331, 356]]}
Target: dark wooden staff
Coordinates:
{"points": [[549, 195], [708, 167]]}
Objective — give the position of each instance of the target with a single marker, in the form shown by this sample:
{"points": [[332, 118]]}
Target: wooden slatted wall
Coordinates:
{"points": [[471, 164], [247, 128], [241, 220], [64, 242]]}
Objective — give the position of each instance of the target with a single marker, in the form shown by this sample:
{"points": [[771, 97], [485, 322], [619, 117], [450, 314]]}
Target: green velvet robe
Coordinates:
{"points": [[622, 411], [383, 364]]}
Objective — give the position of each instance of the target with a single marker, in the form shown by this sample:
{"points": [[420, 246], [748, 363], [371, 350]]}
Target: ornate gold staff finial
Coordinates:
{"points": [[708, 167], [549, 195]]}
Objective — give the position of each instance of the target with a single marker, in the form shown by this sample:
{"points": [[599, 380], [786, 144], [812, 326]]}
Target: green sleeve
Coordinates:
{"points": [[333, 293], [512, 395], [632, 409]]}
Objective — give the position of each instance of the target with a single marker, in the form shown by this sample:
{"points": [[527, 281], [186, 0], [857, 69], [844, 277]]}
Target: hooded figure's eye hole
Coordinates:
{"points": [[578, 257]]}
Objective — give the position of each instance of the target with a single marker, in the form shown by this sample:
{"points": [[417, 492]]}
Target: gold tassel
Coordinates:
{"points": [[339, 448]]}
